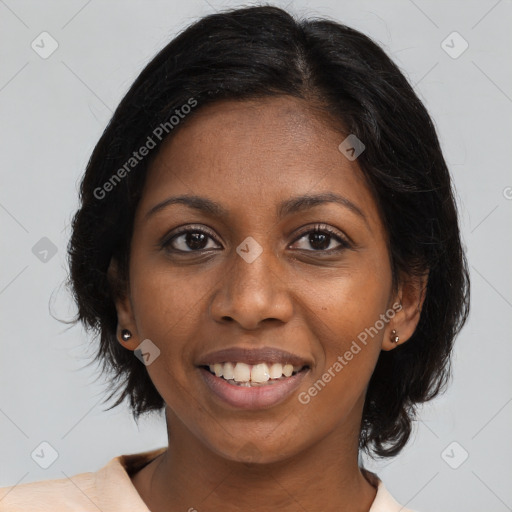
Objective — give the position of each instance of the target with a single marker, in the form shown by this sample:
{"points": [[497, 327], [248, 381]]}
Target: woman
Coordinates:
{"points": [[268, 247]]}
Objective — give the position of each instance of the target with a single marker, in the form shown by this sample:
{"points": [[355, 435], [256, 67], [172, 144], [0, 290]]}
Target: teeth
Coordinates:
{"points": [[287, 370], [217, 368], [276, 370], [261, 372], [242, 372], [227, 371]]}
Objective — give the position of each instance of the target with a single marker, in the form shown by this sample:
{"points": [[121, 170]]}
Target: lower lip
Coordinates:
{"points": [[257, 397]]}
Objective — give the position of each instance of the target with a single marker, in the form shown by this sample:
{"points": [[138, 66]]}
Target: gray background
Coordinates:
{"points": [[53, 111]]}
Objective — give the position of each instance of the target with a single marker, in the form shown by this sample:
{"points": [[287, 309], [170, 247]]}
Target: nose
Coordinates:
{"points": [[253, 293]]}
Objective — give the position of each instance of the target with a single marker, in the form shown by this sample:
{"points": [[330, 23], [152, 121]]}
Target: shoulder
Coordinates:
{"points": [[108, 489], [62, 494], [384, 501]]}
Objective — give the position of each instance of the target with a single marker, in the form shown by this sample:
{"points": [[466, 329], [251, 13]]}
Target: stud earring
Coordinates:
{"points": [[394, 337], [126, 334]]}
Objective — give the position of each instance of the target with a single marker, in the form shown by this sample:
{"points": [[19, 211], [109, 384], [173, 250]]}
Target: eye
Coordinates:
{"points": [[321, 239], [195, 239], [189, 240]]}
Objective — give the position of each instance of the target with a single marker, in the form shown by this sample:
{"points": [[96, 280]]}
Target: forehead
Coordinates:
{"points": [[255, 153]]}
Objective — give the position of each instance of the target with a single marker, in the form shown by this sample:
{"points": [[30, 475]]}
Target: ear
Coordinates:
{"points": [[120, 291], [410, 296]]}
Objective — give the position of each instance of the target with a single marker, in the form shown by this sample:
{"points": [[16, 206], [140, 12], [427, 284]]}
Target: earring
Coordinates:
{"points": [[394, 337], [126, 334]]}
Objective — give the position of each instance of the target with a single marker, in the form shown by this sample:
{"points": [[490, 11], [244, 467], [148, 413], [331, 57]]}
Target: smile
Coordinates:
{"points": [[260, 374], [246, 393], [252, 378]]}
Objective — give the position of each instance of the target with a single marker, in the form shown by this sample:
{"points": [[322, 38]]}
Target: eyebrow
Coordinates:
{"points": [[285, 208], [305, 202]]}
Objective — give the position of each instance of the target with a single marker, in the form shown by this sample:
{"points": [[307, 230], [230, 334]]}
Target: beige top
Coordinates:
{"points": [[110, 489]]}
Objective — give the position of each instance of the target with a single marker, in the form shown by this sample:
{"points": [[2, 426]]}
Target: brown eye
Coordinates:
{"points": [[322, 239], [190, 240]]}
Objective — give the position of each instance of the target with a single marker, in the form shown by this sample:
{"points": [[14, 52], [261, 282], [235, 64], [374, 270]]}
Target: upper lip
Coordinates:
{"points": [[253, 356]]}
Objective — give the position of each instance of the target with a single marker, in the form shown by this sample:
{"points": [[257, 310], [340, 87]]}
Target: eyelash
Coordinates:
{"points": [[319, 228]]}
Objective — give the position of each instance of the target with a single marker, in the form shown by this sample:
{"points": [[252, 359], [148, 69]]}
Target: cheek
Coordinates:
{"points": [[351, 302], [165, 301], [167, 308], [347, 319]]}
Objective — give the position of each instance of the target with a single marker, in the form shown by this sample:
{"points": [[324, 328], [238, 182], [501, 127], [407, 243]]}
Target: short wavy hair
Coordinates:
{"points": [[258, 52]]}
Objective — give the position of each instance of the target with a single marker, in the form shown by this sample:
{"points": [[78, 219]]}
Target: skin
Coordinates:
{"points": [[249, 156]]}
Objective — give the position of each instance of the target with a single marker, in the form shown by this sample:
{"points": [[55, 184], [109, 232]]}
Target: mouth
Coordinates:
{"points": [[253, 375], [252, 387], [252, 378]]}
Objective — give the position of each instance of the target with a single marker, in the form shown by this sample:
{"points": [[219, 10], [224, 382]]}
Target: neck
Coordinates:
{"points": [[189, 476]]}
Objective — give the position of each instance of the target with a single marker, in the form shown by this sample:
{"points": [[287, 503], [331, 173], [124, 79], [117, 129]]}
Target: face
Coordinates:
{"points": [[260, 269]]}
